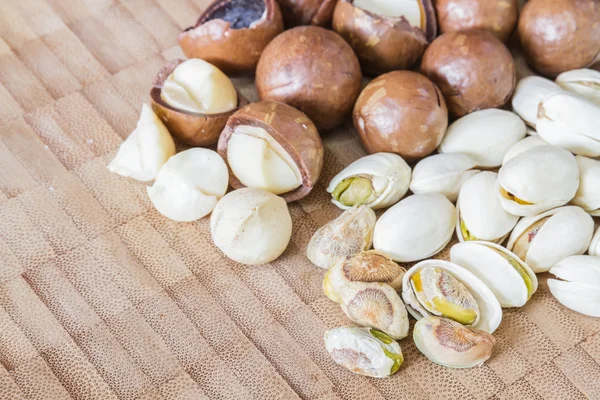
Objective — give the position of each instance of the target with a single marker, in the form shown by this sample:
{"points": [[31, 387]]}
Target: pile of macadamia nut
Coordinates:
{"points": [[455, 143]]}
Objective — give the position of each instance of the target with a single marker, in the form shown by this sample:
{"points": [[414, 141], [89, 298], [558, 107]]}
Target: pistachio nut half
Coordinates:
{"points": [[484, 135], [537, 180], [588, 194], [366, 266], [442, 173], [578, 284], [417, 227], [364, 351], [585, 82], [451, 344], [348, 234], [442, 288], [480, 213], [570, 121], [545, 239], [528, 95], [376, 305], [522, 146], [377, 181], [594, 249], [511, 280]]}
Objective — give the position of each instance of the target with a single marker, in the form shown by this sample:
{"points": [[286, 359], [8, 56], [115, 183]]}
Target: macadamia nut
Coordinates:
{"points": [[189, 185], [145, 150], [251, 226]]}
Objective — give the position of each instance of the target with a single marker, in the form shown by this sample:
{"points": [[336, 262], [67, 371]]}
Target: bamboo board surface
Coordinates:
{"points": [[103, 298]]}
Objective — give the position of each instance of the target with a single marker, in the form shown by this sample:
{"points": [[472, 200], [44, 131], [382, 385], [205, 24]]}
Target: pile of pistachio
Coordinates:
{"points": [[533, 215]]}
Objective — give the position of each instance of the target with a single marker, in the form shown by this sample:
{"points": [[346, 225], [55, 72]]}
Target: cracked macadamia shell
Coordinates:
{"points": [[384, 43], [306, 12], [291, 129], [251, 226], [194, 129], [559, 36], [401, 112], [496, 16], [231, 34], [473, 69], [312, 69]]}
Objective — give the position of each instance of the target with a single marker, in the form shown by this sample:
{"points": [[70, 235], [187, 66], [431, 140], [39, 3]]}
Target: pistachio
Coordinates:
{"points": [[364, 351], [594, 249], [578, 287], [348, 234], [588, 194], [376, 305], [145, 150], [585, 82], [528, 95], [450, 344], [366, 266], [522, 146], [377, 180]]}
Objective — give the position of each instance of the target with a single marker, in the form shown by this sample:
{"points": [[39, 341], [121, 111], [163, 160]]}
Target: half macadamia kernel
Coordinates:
{"points": [[232, 34], [274, 147], [194, 99]]}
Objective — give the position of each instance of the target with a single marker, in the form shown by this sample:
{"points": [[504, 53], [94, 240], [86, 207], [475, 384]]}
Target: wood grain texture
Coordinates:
{"points": [[103, 298]]}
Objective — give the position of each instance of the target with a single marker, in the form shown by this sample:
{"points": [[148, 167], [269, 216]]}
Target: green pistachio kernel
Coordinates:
{"points": [[465, 232], [397, 358], [353, 191]]}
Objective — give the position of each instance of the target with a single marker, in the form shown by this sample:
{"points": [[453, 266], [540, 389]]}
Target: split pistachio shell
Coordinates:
{"points": [[376, 305], [511, 280], [522, 146], [348, 234], [545, 239], [378, 180], [251, 226], [594, 249], [570, 121], [484, 135], [537, 180], [585, 82], [451, 344], [145, 150], [488, 310], [528, 95], [578, 284], [182, 191], [417, 227], [366, 266], [480, 213], [442, 173], [588, 194], [364, 351]]}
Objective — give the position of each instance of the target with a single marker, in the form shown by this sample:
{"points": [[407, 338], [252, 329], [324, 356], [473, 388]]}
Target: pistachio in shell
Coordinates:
{"points": [[231, 34], [578, 284], [451, 344], [473, 69], [386, 36], [274, 147], [529, 93], [588, 194], [594, 249], [191, 127], [585, 82]]}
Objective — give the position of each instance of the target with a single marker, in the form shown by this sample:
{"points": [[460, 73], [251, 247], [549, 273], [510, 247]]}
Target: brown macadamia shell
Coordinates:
{"points": [[496, 16], [292, 129], [312, 69], [234, 48], [559, 36], [473, 69], [193, 129], [382, 43], [401, 112], [307, 12]]}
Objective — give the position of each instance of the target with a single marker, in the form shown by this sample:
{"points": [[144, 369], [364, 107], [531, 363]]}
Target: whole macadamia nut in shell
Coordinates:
{"points": [[401, 112], [473, 69], [312, 69], [231, 34], [496, 16], [559, 36]]}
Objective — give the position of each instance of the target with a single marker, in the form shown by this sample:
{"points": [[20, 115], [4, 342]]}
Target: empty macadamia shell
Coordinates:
{"points": [[306, 12], [401, 112], [288, 127], [559, 36], [232, 34], [191, 128], [312, 69], [386, 36], [496, 16], [473, 69]]}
